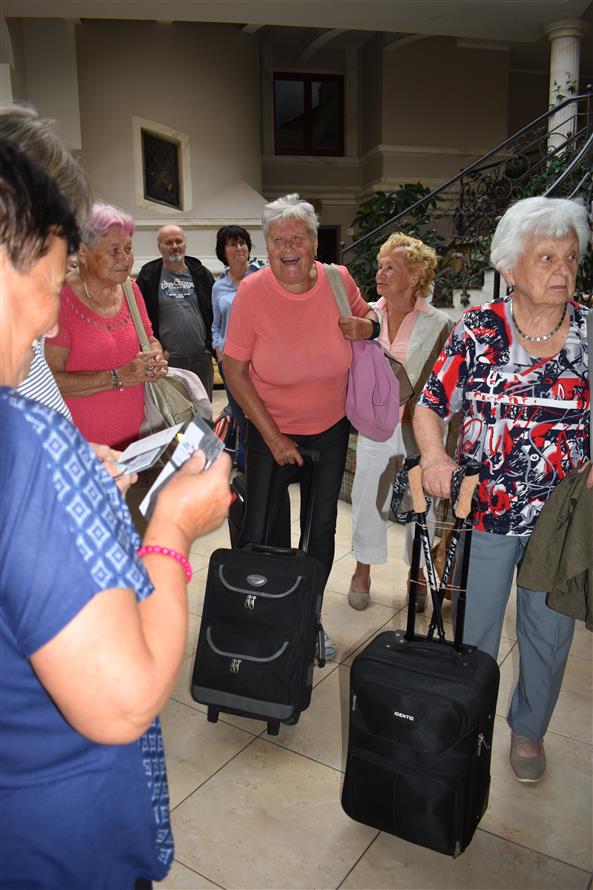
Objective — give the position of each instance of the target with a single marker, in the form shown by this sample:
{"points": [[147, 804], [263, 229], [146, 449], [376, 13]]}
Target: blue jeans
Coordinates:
{"points": [[331, 444], [543, 635]]}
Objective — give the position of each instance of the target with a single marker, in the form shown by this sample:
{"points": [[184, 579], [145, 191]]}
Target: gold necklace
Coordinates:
{"points": [[103, 309]]}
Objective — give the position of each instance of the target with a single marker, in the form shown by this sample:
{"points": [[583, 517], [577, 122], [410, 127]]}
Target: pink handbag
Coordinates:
{"points": [[372, 399]]}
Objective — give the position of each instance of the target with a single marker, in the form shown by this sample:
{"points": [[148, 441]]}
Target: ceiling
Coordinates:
{"points": [[508, 20]]}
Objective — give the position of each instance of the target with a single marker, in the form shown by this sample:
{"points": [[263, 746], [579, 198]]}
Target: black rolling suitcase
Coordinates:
{"points": [[422, 713], [261, 629]]}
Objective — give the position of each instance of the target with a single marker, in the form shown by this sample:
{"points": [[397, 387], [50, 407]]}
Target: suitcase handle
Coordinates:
{"points": [[271, 550], [462, 510], [415, 482], [312, 455], [466, 492]]}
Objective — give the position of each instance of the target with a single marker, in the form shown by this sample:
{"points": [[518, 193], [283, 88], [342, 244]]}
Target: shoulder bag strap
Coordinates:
{"points": [[134, 312], [337, 285]]}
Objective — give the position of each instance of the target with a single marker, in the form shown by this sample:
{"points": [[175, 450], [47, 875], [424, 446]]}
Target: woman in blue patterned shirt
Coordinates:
{"points": [[92, 628]]}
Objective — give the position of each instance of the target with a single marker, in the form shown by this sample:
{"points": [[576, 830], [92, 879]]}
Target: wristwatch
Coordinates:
{"points": [[376, 329]]}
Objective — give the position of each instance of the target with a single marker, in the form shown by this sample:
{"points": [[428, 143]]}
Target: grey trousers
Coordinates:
{"points": [[543, 636]]}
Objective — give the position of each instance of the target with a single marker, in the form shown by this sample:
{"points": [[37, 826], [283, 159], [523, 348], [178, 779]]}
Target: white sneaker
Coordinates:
{"points": [[330, 646]]}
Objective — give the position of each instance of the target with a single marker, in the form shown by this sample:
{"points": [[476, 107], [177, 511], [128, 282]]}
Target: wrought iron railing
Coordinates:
{"points": [[459, 217]]}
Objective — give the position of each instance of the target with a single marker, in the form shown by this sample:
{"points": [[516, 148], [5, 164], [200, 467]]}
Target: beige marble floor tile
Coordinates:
{"points": [[348, 628], [192, 754], [582, 642], [196, 589], [269, 819], [207, 543], [182, 878], [573, 714], [322, 731], [388, 584], [193, 630], [198, 563], [554, 816], [489, 863]]}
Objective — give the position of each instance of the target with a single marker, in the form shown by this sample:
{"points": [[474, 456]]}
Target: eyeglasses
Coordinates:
{"points": [[296, 241], [236, 242]]}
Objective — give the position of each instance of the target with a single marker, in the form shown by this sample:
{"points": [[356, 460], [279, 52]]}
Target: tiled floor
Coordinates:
{"points": [[252, 811]]}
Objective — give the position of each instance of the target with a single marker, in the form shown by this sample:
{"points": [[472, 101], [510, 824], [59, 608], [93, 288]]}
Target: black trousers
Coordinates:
{"points": [[332, 445], [200, 364]]}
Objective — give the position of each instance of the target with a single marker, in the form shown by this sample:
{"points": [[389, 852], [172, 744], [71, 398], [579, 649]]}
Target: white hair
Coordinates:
{"points": [[551, 217], [290, 207]]}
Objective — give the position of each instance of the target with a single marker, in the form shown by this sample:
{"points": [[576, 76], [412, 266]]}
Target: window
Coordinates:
{"points": [[160, 164], [162, 174], [309, 114]]}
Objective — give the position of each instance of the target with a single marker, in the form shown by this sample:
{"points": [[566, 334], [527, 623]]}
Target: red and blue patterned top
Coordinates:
{"points": [[525, 419]]}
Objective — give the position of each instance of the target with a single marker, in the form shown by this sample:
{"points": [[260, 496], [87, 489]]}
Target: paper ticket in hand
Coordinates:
{"points": [[197, 436]]}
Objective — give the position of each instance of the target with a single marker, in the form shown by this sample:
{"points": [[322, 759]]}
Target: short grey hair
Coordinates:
{"points": [[36, 137], [546, 217], [290, 207]]}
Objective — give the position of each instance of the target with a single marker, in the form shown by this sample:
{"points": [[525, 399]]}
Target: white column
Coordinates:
{"points": [[565, 45]]}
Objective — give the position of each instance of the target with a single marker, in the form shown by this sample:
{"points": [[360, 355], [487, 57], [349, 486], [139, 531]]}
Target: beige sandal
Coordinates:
{"points": [[359, 599]]}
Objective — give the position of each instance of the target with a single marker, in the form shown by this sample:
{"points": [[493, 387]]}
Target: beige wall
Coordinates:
{"points": [[440, 95], [175, 75], [528, 97], [370, 85]]}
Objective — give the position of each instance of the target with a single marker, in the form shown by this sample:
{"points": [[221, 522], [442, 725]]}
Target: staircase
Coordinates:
{"points": [[459, 217]]}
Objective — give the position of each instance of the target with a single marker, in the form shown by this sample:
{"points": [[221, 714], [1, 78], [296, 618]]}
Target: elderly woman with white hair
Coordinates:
{"points": [[517, 371], [286, 360]]}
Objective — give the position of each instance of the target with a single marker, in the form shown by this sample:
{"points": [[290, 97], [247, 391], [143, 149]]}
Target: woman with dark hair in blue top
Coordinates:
{"points": [[233, 247], [92, 625]]}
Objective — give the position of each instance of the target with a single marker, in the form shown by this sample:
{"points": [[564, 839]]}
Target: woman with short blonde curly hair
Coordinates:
{"points": [[413, 332], [419, 255]]}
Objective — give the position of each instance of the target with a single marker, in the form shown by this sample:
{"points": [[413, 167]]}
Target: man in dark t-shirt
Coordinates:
{"points": [[177, 290]]}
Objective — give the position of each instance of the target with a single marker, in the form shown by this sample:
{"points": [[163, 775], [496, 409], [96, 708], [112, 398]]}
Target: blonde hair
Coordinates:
{"points": [[420, 257]]}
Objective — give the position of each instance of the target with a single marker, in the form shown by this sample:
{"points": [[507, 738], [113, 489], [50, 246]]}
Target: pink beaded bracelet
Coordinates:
{"points": [[167, 551]]}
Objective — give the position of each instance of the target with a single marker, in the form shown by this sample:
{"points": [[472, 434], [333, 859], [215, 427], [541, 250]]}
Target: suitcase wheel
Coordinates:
{"points": [[320, 647], [292, 720], [212, 714], [273, 727]]}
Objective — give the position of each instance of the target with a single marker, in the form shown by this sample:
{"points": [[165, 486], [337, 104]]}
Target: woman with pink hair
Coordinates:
{"points": [[96, 357]]}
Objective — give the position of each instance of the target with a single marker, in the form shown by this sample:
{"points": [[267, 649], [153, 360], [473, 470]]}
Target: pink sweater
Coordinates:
{"points": [[96, 343], [299, 360]]}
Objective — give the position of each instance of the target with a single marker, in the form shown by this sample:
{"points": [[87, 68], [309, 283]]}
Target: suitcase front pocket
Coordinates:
{"points": [[411, 716], [419, 807], [262, 600], [262, 669]]}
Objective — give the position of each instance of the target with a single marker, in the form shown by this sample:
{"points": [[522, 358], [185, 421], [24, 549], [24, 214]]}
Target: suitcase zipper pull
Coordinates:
{"points": [[354, 702], [482, 741]]}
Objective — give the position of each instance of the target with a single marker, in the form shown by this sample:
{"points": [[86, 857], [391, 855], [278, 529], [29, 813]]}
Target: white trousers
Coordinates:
{"points": [[377, 464]]}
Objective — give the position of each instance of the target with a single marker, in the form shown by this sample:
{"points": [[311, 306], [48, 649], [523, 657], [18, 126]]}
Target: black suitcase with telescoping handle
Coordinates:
{"points": [[422, 711], [261, 627]]}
